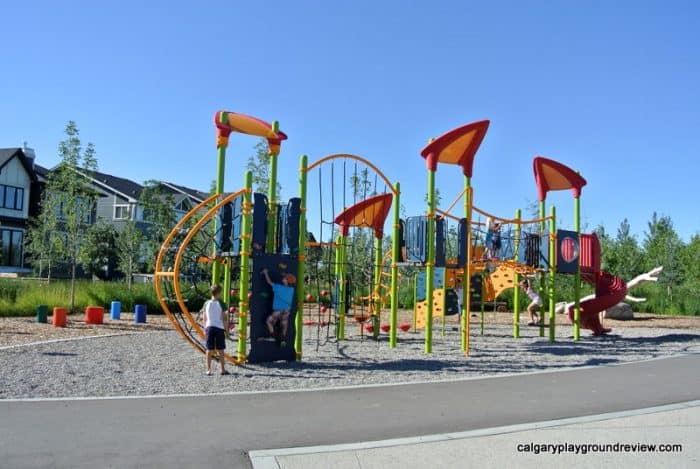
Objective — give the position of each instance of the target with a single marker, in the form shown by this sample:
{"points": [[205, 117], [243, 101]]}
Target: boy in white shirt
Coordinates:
{"points": [[215, 326]]}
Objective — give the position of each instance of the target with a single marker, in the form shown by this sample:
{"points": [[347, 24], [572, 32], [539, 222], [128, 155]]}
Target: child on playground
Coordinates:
{"points": [[215, 326], [493, 239], [282, 298], [535, 302]]}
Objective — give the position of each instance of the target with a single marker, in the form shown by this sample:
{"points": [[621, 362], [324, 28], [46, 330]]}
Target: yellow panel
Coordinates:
{"points": [[501, 280], [454, 151], [437, 308]]}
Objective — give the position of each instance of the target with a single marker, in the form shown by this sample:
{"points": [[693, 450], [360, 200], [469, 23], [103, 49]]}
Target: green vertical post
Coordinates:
{"points": [[543, 230], [343, 285], [377, 308], [246, 231], [516, 280], [467, 279], [483, 306], [430, 264], [415, 303], [336, 273], [444, 300], [227, 283], [301, 265], [577, 277], [552, 272], [219, 189], [272, 198], [395, 257]]}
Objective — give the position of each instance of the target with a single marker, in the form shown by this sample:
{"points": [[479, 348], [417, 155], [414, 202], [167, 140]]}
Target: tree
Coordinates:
{"points": [[98, 255], [42, 242], [662, 247], [158, 215], [129, 249], [438, 197], [72, 198], [259, 165]]}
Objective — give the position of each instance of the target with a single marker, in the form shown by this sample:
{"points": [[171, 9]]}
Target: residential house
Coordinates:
{"points": [[17, 179], [185, 198]]}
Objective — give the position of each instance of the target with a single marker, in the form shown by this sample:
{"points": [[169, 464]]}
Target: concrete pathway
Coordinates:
{"points": [[219, 431], [664, 436]]}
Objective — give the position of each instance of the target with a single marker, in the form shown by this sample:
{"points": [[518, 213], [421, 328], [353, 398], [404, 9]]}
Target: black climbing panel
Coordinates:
{"points": [[477, 289], [462, 243], [259, 224], [440, 242], [277, 265], [228, 234], [292, 222], [402, 241], [451, 302]]}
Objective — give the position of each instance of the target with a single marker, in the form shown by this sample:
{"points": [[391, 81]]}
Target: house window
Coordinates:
{"points": [[182, 208], [11, 197], [11, 248], [82, 207], [121, 212]]}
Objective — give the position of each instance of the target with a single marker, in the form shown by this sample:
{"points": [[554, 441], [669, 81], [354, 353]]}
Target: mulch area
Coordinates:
{"points": [[16, 331]]}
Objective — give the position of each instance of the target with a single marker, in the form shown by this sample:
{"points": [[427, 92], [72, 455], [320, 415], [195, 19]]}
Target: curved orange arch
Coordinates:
{"points": [[337, 156], [185, 242]]}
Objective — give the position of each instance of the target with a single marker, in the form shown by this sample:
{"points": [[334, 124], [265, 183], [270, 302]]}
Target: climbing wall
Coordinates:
{"points": [[445, 303], [499, 281], [278, 265]]}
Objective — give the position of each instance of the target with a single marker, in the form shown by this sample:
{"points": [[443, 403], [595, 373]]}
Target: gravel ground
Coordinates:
{"points": [[160, 362]]}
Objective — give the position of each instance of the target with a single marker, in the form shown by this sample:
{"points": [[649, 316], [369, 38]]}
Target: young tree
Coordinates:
{"points": [[627, 252], [99, 252], [438, 197], [158, 215], [663, 247], [72, 198], [259, 165], [42, 242], [129, 247]]}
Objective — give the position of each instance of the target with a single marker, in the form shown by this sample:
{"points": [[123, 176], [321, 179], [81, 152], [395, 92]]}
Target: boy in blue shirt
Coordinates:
{"points": [[282, 298]]}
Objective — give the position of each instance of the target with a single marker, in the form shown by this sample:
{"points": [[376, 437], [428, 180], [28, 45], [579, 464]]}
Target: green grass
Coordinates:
{"points": [[21, 297]]}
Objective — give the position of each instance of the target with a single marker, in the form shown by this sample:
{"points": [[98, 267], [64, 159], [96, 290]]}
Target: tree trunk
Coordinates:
{"points": [[72, 287], [130, 275]]}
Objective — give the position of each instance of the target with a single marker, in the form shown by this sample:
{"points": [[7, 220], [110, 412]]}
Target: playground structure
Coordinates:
{"points": [[230, 238]]}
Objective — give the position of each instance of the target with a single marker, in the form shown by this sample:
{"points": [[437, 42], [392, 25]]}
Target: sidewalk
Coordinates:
{"points": [[677, 424]]}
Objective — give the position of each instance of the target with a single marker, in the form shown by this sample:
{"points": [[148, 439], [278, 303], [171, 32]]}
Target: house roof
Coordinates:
{"points": [[6, 154], [195, 194], [40, 171], [126, 187]]}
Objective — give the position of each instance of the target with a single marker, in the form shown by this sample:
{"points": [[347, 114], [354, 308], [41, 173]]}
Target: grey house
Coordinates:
{"points": [[18, 181]]}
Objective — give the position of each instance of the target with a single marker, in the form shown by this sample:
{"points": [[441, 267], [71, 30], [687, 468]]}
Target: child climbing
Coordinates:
{"points": [[493, 239], [215, 326], [535, 302], [282, 297]]}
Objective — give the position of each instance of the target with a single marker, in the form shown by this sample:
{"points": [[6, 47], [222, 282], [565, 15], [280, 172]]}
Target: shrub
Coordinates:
{"points": [[21, 297]]}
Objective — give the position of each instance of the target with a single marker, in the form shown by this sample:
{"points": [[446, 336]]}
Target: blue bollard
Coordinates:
{"points": [[140, 314], [115, 310]]}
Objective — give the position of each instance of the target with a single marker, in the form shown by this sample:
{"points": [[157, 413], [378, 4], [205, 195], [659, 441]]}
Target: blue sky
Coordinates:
{"points": [[609, 88]]}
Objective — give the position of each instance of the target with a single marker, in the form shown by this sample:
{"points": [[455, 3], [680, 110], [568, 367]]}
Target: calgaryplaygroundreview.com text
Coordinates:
{"points": [[592, 448]]}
